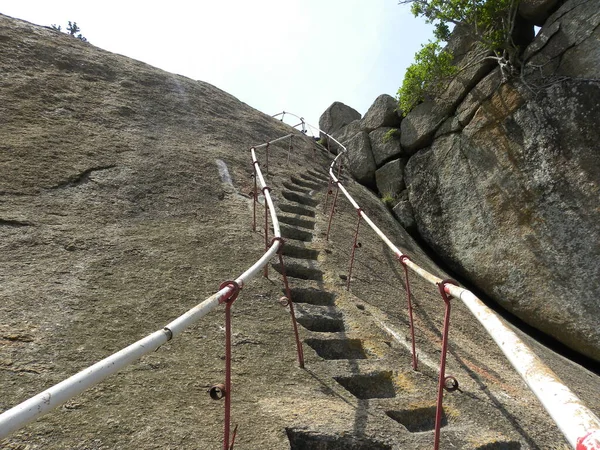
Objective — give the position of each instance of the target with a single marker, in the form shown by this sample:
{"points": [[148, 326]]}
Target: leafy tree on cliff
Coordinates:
{"points": [[490, 23]]}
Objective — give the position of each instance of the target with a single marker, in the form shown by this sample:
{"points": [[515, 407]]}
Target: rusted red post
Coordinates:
{"points": [[290, 303], [255, 196], [355, 245], [335, 197], [339, 169], [227, 394], [442, 378], [267, 163], [328, 194], [403, 260], [266, 188]]}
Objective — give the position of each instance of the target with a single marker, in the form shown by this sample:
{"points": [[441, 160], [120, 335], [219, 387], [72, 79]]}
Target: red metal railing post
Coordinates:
{"points": [[442, 378], [227, 394], [335, 197], [328, 193], [415, 358], [339, 169], [266, 188], [255, 196], [290, 303], [267, 163], [355, 245]]}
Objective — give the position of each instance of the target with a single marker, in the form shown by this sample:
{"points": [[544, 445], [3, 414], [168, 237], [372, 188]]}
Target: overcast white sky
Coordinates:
{"points": [[293, 55]]}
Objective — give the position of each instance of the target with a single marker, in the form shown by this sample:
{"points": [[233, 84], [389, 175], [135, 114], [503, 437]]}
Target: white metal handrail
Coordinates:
{"points": [[42, 403], [579, 425]]}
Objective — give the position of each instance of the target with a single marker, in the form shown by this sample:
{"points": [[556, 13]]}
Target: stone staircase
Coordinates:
{"points": [[357, 362]]}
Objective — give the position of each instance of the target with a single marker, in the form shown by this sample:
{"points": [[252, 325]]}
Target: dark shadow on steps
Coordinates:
{"points": [[371, 385], [311, 440], [337, 348], [417, 420], [313, 296]]}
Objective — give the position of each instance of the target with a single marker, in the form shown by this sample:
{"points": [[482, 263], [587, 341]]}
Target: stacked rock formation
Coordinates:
{"points": [[502, 176]]}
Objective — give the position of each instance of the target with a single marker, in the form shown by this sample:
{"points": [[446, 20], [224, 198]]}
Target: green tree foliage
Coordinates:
{"points": [[426, 76], [491, 24], [491, 21]]}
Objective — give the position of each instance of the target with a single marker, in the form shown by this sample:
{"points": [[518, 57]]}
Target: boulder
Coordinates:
{"points": [[567, 45], [344, 134], [382, 113], [385, 144], [336, 117], [359, 159], [420, 124], [537, 11], [390, 178], [484, 89], [512, 204], [403, 212]]}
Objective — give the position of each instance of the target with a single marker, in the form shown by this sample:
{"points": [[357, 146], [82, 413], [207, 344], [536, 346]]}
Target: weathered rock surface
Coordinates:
{"points": [[505, 177], [359, 159], [343, 135], [382, 113], [537, 11], [512, 204], [124, 203], [336, 117], [567, 45], [420, 124], [390, 178], [385, 146], [403, 211]]}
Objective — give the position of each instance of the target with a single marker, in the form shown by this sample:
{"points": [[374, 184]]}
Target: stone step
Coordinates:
{"points": [[298, 234], [297, 249], [312, 296], [292, 208], [300, 268], [305, 183], [304, 200], [294, 187], [296, 221]]}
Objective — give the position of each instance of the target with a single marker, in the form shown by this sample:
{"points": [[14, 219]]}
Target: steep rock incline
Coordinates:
{"points": [[124, 203]]}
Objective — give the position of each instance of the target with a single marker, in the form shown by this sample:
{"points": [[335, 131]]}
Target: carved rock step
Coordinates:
{"points": [[300, 268], [304, 200], [305, 183], [296, 188], [296, 220], [320, 319], [293, 208]]}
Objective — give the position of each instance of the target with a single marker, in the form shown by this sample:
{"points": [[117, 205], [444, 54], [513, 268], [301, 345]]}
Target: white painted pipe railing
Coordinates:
{"points": [[42, 403], [579, 425]]}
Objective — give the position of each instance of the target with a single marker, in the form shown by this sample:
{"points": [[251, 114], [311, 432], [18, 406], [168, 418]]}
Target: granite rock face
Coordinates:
{"points": [[385, 143], [512, 201], [359, 159], [390, 178]]}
